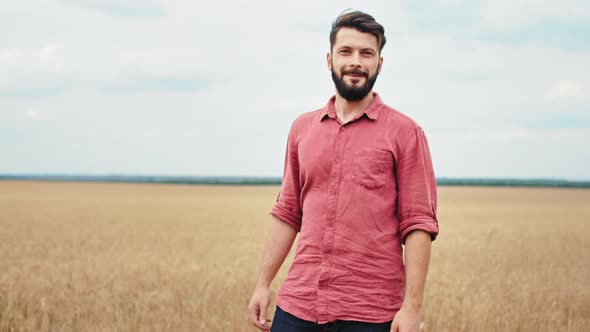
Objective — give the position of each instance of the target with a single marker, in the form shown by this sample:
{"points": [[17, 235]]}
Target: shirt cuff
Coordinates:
{"points": [[290, 217], [428, 225]]}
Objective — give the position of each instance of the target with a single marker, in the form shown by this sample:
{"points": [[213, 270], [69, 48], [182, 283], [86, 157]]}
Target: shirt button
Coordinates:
{"points": [[332, 192], [337, 161], [341, 128]]}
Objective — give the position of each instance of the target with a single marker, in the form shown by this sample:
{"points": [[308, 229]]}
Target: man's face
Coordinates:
{"points": [[355, 63]]}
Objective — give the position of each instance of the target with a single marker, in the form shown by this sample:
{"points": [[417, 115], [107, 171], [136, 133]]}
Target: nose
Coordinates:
{"points": [[355, 60]]}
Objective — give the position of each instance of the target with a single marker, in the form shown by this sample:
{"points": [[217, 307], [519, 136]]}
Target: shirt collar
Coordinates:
{"points": [[372, 111]]}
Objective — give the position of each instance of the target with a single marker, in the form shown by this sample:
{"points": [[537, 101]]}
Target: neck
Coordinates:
{"points": [[347, 110]]}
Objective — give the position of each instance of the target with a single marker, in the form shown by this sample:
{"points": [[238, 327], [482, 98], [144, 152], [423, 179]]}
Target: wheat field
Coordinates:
{"points": [[144, 257]]}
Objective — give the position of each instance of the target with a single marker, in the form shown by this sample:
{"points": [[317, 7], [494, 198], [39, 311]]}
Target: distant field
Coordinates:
{"points": [[143, 257]]}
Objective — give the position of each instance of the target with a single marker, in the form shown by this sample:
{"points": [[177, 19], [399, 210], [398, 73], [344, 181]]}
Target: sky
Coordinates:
{"points": [[149, 87]]}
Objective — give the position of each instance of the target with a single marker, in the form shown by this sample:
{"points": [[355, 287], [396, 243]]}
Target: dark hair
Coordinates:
{"points": [[360, 21]]}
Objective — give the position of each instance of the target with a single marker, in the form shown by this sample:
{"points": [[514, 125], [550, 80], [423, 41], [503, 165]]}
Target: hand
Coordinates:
{"points": [[258, 307], [406, 320]]}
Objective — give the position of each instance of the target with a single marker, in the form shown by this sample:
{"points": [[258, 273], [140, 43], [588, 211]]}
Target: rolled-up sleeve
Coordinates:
{"points": [[416, 187], [288, 205]]}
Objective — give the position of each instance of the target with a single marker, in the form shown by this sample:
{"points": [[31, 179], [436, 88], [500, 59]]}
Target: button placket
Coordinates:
{"points": [[328, 236]]}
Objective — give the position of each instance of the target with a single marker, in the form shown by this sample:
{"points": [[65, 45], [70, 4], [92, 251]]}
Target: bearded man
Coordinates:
{"points": [[358, 184]]}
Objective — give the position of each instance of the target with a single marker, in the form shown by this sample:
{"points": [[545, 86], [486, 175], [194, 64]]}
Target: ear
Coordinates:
{"points": [[329, 59], [380, 65]]}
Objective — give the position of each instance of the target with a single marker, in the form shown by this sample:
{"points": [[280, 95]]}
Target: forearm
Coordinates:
{"points": [[417, 259], [279, 240]]}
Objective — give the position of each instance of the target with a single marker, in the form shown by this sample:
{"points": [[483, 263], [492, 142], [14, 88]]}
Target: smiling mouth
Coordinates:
{"points": [[355, 75], [355, 78]]}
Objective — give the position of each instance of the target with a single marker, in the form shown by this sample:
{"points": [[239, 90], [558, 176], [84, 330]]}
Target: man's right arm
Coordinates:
{"points": [[282, 229], [279, 240]]}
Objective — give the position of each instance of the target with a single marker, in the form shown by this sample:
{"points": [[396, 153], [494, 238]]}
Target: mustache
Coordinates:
{"points": [[355, 72]]}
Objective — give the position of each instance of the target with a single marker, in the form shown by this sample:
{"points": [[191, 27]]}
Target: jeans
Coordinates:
{"points": [[285, 322]]}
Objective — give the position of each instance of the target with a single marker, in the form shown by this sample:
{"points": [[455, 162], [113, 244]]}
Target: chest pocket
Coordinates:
{"points": [[371, 168]]}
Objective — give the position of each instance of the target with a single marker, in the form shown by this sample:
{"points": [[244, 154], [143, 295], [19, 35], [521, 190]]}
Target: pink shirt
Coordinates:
{"points": [[354, 191]]}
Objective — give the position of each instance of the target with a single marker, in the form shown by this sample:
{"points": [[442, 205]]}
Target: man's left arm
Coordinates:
{"points": [[417, 258], [418, 224]]}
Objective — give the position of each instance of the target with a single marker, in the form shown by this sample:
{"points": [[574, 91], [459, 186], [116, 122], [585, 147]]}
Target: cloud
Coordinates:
{"points": [[507, 15], [567, 34], [51, 56], [32, 73], [567, 89], [153, 133], [513, 152], [9, 57], [32, 113], [41, 72], [146, 83], [510, 134], [562, 24], [122, 8], [31, 92], [47, 58]]}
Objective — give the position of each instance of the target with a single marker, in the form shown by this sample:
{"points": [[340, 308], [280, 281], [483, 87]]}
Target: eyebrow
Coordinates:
{"points": [[344, 47], [360, 48]]}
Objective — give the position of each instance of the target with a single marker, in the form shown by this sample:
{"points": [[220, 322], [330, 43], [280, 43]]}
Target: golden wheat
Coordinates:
{"points": [[138, 257]]}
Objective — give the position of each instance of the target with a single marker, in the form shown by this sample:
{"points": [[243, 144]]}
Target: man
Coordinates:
{"points": [[358, 183]]}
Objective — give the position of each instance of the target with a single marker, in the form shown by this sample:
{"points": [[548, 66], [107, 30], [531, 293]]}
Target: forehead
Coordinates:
{"points": [[350, 37]]}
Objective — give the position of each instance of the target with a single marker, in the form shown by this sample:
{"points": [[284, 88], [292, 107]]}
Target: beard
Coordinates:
{"points": [[352, 92]]}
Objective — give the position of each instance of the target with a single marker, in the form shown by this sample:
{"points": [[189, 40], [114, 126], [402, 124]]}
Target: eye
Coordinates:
{"points": [[367, 53], [344, 52]]}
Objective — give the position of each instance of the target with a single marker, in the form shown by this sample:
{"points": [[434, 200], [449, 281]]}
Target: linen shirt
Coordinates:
{"points": [[353, 191]]}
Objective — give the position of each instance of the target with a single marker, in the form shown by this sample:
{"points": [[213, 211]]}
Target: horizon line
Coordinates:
{"points": [[276, 180]]}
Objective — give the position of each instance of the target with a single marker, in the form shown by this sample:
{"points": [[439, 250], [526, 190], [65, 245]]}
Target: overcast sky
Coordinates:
{"points": [[501, 88]]}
